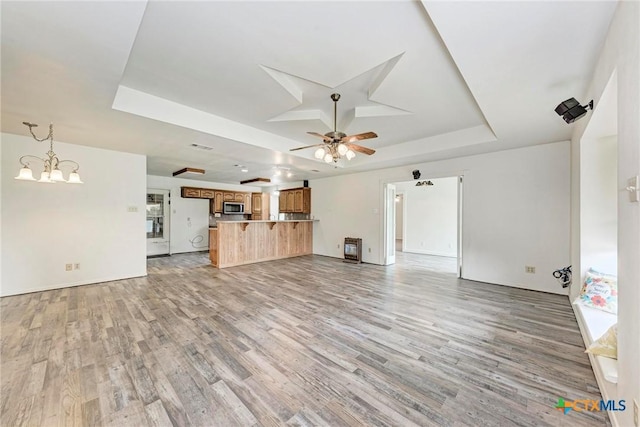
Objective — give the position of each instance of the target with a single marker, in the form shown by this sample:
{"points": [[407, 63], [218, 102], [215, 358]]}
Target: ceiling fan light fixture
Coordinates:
{"points": [[328, 158], [342, 149], [319, 154], [350, 154]]}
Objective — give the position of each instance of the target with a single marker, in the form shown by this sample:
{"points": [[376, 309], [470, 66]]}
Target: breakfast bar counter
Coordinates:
{"points": [[234, 243]]}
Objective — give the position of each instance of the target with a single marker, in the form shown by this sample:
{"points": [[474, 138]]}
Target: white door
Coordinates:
{"points": [[389, 224], [157, 222]]}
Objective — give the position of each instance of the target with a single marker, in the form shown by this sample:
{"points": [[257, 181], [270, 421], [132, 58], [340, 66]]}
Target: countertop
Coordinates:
{"points": [[267, 220], [263, 220]]}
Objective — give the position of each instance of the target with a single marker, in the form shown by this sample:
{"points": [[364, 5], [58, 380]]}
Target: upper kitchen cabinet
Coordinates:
{"points": [[246, 199], [190, 192], [295, 200], [218, 199], [206, 193], [260, 206]]}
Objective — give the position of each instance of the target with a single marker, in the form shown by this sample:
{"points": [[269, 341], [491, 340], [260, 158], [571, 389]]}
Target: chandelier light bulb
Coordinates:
{"points": [[25, 174], [289, 174], [56, 176], [319, 154], [350, 154], [328, 158], [74, 178], [342, 149], [44, 177], [278, 172]]}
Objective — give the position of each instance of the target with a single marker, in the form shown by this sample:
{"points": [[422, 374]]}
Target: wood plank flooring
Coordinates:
{"points": [[302, 341]]}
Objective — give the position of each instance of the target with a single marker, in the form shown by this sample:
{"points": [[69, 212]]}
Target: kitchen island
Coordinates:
{"points": [[245, 242]]}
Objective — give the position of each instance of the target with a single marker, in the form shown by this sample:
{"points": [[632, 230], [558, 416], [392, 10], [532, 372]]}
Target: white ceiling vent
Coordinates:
{"points": [[201, 147]]}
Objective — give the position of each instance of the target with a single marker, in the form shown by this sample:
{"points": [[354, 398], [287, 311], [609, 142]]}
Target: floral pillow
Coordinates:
{"points": [[606, 345], [599, 291]]}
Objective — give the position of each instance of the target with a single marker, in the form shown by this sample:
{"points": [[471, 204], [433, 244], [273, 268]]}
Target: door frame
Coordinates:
{"points": [[389, 224], [388, 220], [166, 218]]}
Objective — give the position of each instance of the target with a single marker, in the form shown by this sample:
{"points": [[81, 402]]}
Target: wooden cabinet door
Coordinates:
{"points": [[238, 197], [297, 200], [282, 202], [218, 199], [205, 193], [291, 201], [306, 201], [256, 203], [228, 197], [247, 203], [190, 192]]}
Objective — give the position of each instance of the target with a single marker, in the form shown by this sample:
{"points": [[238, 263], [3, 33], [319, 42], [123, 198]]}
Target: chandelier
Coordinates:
{"points": [[332, 151], [51, 164]]}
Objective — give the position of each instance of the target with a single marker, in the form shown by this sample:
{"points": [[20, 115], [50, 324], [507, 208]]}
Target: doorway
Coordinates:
{"points": [[424, 224], [157, 225]]}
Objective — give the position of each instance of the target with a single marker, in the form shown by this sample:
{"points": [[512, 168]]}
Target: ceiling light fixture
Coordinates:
{"points": [[278, 171], [189, 170], [571, 110], [332, 151], [51, 163]]}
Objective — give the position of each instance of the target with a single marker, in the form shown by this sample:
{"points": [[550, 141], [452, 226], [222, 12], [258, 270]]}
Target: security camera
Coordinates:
{"points": [[571, 110], [416, 174]]}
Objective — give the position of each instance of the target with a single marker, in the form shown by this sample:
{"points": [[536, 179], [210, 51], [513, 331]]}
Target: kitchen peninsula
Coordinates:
{"points": [[234, 243]]}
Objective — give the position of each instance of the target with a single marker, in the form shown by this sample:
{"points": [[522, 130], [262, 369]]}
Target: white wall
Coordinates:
{"points": [[599, 205], [621, 54], [189, 219], [515, 213], [45, 226], [431, 217]]}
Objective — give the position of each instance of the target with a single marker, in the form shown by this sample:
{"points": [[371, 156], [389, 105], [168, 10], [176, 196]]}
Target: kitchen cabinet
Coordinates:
{"points": [[246, 198], [217, 202], [228, 197], [190, 192], [206, 193], [238, 197], [197, 193], [260, 206], [295, 200], [290, 201]]}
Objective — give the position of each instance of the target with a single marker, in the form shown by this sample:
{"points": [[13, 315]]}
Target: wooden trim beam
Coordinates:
{"points": [[189, 170], [252, 180]]}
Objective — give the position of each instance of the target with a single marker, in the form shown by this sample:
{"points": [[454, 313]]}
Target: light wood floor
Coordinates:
{"points": [[302, 341]]}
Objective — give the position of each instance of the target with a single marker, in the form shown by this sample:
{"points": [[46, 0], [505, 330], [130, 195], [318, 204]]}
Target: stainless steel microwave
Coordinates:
{"points": [[233, 208]]}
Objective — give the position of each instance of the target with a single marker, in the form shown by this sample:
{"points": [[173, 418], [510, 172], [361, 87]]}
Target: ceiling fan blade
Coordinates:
{"points": [[326, 138], [359, 137], [307, 146], [361, 149]]}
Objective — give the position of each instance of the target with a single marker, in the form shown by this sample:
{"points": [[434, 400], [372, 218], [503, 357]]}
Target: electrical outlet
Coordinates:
{"points": [[529, 269], [76, 266], [68, 267], [369, 250], [635, 412], [338, 246], [132, 209]]}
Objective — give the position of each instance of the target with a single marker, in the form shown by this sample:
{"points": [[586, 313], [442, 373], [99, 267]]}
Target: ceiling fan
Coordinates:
{"points": [[337, 144]]}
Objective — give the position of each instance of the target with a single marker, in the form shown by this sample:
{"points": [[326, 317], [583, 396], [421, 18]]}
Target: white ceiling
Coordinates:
{"points": [[433, 79]]}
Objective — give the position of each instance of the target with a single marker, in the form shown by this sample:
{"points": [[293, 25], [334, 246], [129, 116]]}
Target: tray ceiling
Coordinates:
{"points": [[433, 79]]}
